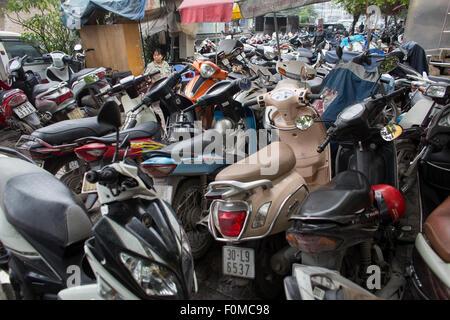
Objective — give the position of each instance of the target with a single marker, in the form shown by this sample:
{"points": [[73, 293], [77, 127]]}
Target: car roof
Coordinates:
{"points": [[7, 34]]}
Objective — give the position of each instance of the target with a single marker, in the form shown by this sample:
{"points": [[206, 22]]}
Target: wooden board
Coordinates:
{"points": [[116, 46]]}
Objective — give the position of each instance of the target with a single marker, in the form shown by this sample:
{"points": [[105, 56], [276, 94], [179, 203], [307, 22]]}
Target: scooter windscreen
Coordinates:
{"points": [[228, 45]]}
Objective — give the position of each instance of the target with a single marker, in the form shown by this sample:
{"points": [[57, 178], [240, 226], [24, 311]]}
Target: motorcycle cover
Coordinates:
{"points": [[331, 57], [75, 13], [345, 85]]}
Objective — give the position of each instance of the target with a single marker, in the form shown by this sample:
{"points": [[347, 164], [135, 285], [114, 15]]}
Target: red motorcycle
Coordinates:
{"points": [[16, 111]]}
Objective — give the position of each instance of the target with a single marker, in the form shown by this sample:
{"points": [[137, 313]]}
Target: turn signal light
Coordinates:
{"points": [[312, 243], [158, 170]]}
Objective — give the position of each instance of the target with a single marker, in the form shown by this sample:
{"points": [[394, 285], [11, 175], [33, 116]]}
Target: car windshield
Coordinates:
{"points": [[19, 48]]}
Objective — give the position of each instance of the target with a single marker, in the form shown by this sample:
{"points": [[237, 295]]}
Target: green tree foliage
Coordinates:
{"points": [[44, 26], [358, 7], [306, 14]]}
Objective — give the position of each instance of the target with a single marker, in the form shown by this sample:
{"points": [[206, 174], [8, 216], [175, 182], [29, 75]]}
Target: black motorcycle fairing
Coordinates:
{"points": [[147, 221]]}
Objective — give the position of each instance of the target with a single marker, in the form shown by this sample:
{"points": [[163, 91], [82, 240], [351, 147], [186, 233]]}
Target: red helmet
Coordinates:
{"points": [[389, 202]]}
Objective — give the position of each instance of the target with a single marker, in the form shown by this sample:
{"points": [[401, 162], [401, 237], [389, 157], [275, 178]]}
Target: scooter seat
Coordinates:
{"points": [[345, 195], [305, 53], [261, 165], [75, 76], [41, 207], [39, 88], [437, 230], [70, 130], [149, 129]]}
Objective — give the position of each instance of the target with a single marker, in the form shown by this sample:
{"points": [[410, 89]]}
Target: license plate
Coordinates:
{"points": [[75, 114], [24, 110], [87, 186], [238, 262]]}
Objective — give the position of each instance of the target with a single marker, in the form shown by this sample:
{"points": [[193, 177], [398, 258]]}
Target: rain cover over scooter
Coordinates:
{"points": [[345, 85]]}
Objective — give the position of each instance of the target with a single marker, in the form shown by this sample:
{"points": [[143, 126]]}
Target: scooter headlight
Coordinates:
{"points": [[153, 278], [269, 53], [206, 70]]}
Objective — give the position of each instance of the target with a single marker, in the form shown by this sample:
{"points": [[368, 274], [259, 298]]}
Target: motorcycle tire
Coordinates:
{"points": [[268, 284], [60, 167], [187, 204]]}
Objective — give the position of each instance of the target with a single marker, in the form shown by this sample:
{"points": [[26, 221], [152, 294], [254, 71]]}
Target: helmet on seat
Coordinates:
{"points": [[389, 201]]}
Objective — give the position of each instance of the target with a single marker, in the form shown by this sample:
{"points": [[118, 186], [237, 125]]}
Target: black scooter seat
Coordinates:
{"points": [[69, 130], [149, 129], [39, 88], [75, 76], [345, 195], [41, 207], [305, 53]]}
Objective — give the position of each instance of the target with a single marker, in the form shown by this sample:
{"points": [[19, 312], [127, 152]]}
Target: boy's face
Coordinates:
{"points": [[157, 57]]}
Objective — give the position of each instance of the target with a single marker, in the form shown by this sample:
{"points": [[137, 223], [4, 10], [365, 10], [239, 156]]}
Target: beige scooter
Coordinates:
{"points": [[254, 198]]}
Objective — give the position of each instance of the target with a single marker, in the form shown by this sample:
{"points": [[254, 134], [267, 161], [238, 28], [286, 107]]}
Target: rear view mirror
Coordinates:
{"points": [[388, 64], [303, 123], [109, 114], [77, 47], [391, 132]]}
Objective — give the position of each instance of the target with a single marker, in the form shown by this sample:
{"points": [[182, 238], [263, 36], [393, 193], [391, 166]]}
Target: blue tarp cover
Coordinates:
{"points": [[75, 13]]}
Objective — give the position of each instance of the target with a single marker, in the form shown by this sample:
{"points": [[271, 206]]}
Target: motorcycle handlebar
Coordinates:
{"points": [[324, 144], [250, 103], [106, 175], [313, 96]]}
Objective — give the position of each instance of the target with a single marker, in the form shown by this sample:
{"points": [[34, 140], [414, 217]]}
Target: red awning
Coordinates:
{"points": [[206, 11]]}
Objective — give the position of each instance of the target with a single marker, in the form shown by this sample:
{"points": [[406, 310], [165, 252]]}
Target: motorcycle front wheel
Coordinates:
{"points": [[187, 204]]}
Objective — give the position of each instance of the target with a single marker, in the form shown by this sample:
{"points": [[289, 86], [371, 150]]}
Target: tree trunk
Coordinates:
{"points": [[355, 20]]}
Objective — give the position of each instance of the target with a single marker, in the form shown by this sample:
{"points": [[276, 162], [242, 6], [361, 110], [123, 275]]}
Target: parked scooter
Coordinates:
{"points": [[85, 84], [137, 250], [17, 112], [55, 144], [254, 198], [208, 74], [182, 170], [53, 101], [431, 257], [350, 223]]}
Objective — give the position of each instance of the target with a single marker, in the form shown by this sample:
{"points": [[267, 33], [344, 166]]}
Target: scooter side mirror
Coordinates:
{"points": [[388, 64], [305, 122], [109, 114], [77, 47], [391, 132]]}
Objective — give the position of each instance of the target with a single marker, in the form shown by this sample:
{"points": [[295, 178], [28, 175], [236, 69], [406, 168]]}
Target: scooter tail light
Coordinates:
{"points": [[231, 217], [231, 223], [100, 75], [91, 152], [17, 100], [158, 170], [312, 243], [60, 99]]}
